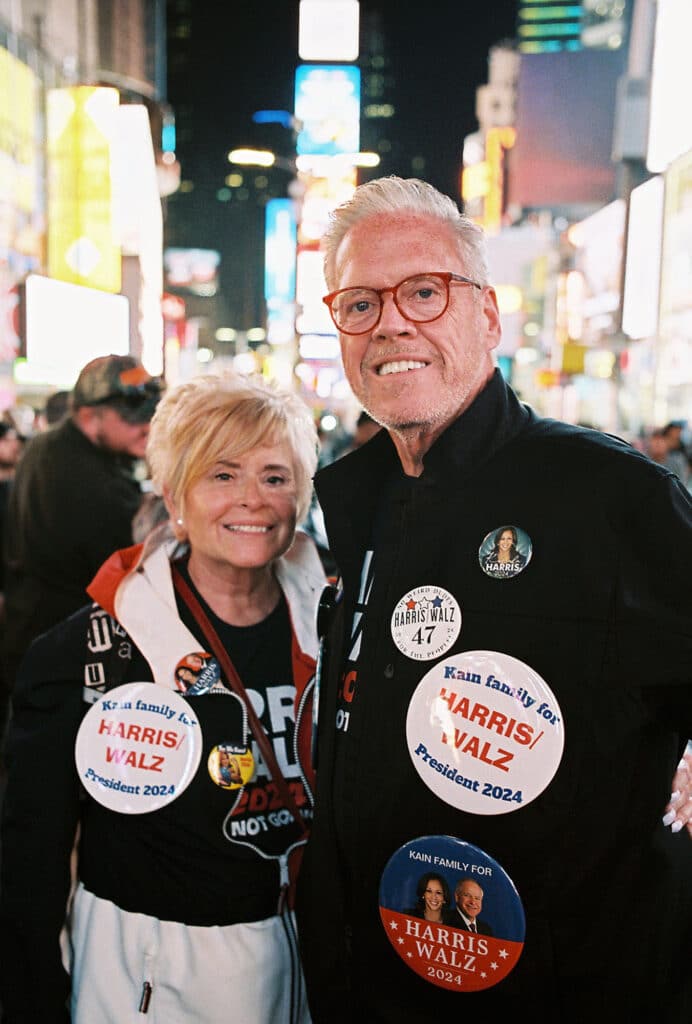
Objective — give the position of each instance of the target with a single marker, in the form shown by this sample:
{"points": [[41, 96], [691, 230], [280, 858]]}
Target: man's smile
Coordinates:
{"points": [[399, 366]]}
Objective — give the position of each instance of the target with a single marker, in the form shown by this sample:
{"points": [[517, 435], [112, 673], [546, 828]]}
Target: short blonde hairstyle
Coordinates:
{"points": [[226, 415]]}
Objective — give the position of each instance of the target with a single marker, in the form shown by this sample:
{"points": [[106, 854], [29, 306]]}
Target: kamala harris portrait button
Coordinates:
{"points": [[505, 552], [197, 673]]}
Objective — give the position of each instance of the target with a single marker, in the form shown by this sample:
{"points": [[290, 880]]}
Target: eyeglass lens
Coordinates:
{"points": [[418, 298]]}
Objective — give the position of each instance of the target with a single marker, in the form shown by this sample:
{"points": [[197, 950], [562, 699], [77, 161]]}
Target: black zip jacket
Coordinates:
{"points": [[71, 505], [602, 613]]}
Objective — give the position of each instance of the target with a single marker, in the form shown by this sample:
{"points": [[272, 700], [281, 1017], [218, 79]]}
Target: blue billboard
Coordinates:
{"points": [[280, 239], [327, 103]]}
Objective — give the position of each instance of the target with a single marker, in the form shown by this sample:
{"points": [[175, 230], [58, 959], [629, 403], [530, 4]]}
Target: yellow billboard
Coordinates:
{"points": [[497, 142], [18, 118], [82, 242]]}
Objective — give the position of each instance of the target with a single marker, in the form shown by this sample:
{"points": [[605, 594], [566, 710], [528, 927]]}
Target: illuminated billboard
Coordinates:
{"points": [[279, 252], [670, 126], [327, 102], [280, 240], [595, 286], [323, 192], [676, 267], [314, 318], [193, 270], [497, 141], [673, 385], [565, 120], [328, 31], [548, 27], [22, 212], [82, 128], [18, 149], [643, 260], [65, 326]]}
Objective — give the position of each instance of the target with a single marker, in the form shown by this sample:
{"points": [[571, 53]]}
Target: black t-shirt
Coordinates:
{"points": [[209, 857]]}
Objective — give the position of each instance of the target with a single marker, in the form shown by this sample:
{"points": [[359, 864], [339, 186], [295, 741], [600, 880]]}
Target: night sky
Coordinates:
{"points": [[241, 57], [439, 55], [245, 55]]}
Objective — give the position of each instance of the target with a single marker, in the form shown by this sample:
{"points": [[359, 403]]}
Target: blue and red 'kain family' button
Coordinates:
{"points": [[452, 913]]}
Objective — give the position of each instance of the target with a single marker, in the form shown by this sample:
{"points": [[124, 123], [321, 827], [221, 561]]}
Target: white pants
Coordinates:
{"points": [[245, 973]]}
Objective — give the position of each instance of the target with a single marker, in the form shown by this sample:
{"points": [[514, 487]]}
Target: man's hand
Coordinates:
{"points": [[679, 808]]}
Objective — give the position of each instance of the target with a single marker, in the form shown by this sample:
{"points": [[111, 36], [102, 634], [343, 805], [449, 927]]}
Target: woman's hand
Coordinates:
{"points": [[679, 808]]}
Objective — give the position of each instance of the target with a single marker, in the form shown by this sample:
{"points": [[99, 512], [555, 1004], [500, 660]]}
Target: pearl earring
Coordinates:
{"points": [[179, 522]]}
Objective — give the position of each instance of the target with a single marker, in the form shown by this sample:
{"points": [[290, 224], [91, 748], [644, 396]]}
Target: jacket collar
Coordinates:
{"points": [[493, 419], [349, 488], [301, 577], [299, 573]]}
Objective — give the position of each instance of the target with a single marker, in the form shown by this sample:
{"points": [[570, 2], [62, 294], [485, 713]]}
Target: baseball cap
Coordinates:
{"points": [[120, 382], [9, 428]]}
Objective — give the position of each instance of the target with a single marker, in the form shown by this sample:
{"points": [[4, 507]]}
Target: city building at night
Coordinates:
{"points": [[85, 162], [578, 173]]}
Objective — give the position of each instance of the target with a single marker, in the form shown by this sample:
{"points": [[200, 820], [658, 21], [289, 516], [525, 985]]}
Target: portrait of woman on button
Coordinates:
{"points": [[433, 898], [228, 769], [187, 672], [505, 552]]}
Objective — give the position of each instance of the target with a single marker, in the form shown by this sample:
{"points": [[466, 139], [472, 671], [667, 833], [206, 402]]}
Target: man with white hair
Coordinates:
{"points": [[533, 717]]}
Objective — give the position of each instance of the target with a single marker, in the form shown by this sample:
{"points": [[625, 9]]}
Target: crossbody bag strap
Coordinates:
{"points": [[236, 684]]}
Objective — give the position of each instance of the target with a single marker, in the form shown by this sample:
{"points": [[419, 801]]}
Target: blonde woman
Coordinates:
{"points": [[182, 912]]}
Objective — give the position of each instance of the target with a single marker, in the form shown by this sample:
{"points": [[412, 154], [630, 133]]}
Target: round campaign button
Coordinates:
{"points": [[452, 913], [197, 673], [505, 552], [138, 748], [231, 765], [485, 732], [426, 623]]}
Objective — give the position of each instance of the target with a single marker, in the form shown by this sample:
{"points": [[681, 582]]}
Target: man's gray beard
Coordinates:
{"points": [[423, 422], [431, 418]]}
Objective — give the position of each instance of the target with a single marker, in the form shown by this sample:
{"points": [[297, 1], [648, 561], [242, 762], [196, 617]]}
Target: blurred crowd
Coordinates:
{"points": [[671, 447]]}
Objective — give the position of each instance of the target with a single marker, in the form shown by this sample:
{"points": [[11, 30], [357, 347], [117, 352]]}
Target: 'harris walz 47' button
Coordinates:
{"points": [[425, 623]]}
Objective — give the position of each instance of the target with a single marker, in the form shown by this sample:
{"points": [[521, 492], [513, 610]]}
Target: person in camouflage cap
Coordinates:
{"points": [[121, 383], [74, 498]]}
